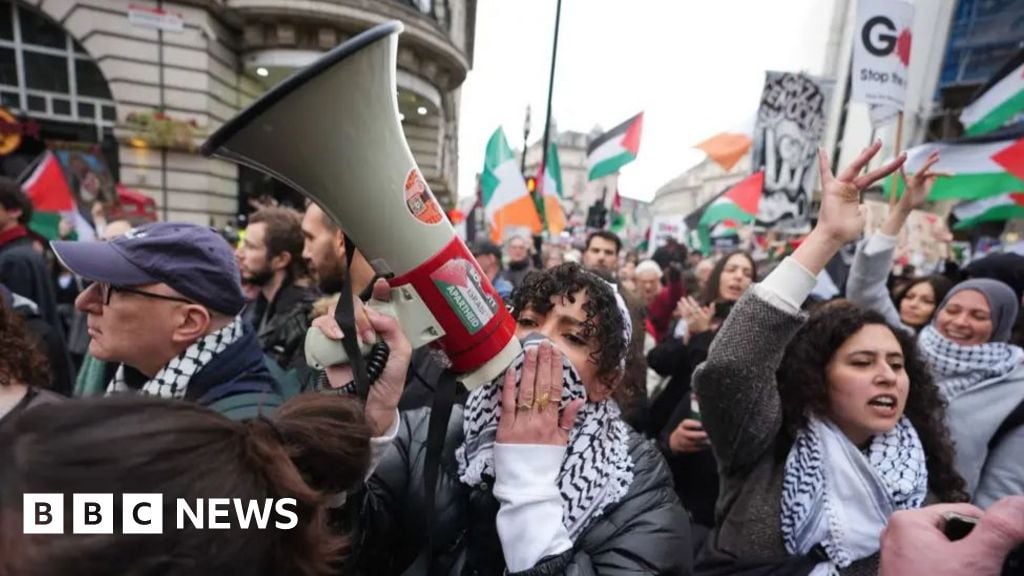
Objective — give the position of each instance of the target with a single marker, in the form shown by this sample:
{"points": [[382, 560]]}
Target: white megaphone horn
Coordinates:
{"points": [[332, 132]]}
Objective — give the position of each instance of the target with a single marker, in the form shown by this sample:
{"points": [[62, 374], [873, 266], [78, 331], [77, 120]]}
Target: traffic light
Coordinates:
{"points": [[597, 216], [531, 184]]}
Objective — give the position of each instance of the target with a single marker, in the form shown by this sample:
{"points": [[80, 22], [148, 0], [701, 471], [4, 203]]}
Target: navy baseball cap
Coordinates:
{"points": [[194, 260]]}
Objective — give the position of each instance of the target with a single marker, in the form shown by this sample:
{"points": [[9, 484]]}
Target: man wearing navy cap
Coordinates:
{"points": [[164, 304]]}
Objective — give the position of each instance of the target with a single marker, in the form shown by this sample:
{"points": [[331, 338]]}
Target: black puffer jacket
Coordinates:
{"points": [[647, 532]]}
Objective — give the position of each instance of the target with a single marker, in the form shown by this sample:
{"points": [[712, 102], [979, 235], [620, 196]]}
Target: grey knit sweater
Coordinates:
{"points": [[742, 414]]}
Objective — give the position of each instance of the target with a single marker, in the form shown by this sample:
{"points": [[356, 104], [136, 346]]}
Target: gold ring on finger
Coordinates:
{"points": [[542, 402]]}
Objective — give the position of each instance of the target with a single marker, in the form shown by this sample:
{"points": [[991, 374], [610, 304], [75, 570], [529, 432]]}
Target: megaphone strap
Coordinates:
{"points": [[344, 314]]}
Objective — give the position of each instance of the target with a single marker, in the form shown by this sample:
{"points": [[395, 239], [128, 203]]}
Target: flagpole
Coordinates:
{"points": [[547, 121], [896, 153]]}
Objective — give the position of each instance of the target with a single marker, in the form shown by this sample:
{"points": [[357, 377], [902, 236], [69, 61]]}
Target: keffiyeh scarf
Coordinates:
{"points": [[841, 498], [597, 470], [172, 380], [959, 368]]}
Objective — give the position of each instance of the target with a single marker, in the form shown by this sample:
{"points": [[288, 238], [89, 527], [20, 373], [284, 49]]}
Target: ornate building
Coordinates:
{"points": [[145, 81]]}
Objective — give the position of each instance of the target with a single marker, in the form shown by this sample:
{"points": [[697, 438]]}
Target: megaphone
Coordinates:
{"points": [[332, 132]]}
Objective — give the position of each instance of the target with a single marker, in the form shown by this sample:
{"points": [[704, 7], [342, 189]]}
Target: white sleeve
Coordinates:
{"points": [[787, 286], [529, 521], [879, 242]]}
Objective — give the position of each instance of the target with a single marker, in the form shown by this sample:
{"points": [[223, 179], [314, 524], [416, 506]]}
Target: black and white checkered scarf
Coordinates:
{"points": [[597, 470], [959, 368], [837, 496], [172, 380]]}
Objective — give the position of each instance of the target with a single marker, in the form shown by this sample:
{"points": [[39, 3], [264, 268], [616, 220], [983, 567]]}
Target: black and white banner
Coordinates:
{"points": [[790, 124]]}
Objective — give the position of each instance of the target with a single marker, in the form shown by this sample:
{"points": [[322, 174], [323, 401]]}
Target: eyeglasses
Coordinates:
{"points": [[107, 289]]}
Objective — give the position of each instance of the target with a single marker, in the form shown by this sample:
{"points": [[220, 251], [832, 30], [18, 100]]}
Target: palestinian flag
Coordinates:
{"points": [[615, 148], [726, 148], [992, 209], [52, 201], [1000, 100], [984, 166], [552, 192], [617, 222], [506, 201], [721, 215]]}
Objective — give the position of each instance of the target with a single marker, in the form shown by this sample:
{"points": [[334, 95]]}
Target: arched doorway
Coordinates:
{"points": [[47, 77]]}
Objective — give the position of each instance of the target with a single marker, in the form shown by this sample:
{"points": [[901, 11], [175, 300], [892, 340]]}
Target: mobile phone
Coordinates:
{"points": [[958, 526], [694, 408]]}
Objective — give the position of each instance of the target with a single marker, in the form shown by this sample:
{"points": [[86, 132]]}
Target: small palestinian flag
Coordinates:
{"points": [[52, 200], [992, 209], [615, 148], [1000, 100]]}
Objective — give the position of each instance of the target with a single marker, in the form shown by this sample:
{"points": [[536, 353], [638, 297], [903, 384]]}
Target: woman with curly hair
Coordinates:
{"points": [[539, 474], [24, 375], [312, 448], [966, 344], [823, 428]]}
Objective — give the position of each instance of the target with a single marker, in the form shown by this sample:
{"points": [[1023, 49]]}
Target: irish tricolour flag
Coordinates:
{"points": [[992, 209], [507, 203], [1000, 101], [552, 192], [982, 167], [615, 148]]}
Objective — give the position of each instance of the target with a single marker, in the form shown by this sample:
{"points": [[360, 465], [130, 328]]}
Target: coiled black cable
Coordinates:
{"points": [[376, 360]]}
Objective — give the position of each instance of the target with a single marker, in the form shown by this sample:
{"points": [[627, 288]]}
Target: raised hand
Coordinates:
{"points": [[841, 218], [918, 187], [530, 416], [697, 318]]}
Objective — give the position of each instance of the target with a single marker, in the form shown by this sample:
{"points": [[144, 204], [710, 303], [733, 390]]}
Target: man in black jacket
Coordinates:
{"points": [[21, 267], [270, 257]]}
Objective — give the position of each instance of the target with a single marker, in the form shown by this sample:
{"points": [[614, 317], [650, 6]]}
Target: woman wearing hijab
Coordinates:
{"points": [[822, 428], [539, 474], [966, 346]]}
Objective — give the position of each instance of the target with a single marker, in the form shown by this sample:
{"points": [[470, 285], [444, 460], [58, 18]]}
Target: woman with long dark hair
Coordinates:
{"points": [[24, 373], [822, 428], [966, 344], [314, 447], [675, 413]]}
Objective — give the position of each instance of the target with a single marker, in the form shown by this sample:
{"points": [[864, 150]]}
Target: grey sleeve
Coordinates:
{"points": [[866, 283], [1003, 474], [739, 398]]}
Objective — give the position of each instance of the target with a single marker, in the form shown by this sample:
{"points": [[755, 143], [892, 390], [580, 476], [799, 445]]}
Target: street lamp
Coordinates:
{"points": [[526, 134]]}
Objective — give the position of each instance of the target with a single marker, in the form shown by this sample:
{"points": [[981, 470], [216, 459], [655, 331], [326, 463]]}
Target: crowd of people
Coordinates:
{"points": [[678, 414]]}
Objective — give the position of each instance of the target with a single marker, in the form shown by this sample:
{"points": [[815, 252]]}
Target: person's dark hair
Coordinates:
{"points": [[283, 235], [606, 235], [940, 285], [803, 387], [314, 447], [13, 198], [710, 293], [604, 322], [21, 360]]}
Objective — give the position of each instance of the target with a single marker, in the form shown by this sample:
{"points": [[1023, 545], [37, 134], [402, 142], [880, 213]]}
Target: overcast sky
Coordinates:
{"points": [[695, 67]]}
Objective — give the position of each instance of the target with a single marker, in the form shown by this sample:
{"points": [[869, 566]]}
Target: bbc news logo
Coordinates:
{"points": [[144, 514]]}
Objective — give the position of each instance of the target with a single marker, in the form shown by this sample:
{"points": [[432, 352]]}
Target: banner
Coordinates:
{"points": [[663, 227], [790, 124], [881, 57]]}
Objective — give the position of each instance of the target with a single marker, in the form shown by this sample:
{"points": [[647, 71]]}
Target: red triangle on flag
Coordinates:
{"points": [[747, 193], [1012, 158], [47, 188], [631, 141]]}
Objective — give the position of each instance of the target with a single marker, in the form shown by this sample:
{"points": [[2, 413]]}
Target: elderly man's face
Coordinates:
{"points": [[648, 284], [132, 328], [517, 250]]}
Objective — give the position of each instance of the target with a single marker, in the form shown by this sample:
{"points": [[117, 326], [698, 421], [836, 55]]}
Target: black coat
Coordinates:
{"points": [[23, 271], [647, 532]]}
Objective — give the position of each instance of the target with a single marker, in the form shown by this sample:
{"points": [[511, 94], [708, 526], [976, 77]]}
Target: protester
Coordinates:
{"points": [[818, 443], [966, 347], [553, 256], [702, 271], [648, 280], [164, 309], [270, 258], [24, 373], [22, 268], [314, 448], [44, 338], [1007, 268], [488, 255], [519, 463], [915, 544], [626, 277], [601, 253], [520, 262]]}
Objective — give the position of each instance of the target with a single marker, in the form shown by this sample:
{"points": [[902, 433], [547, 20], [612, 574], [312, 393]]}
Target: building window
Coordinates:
{"points": [[44, 72]]}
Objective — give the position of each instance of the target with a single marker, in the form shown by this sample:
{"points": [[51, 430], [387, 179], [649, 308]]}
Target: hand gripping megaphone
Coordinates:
{"points": [[332, 132]]}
